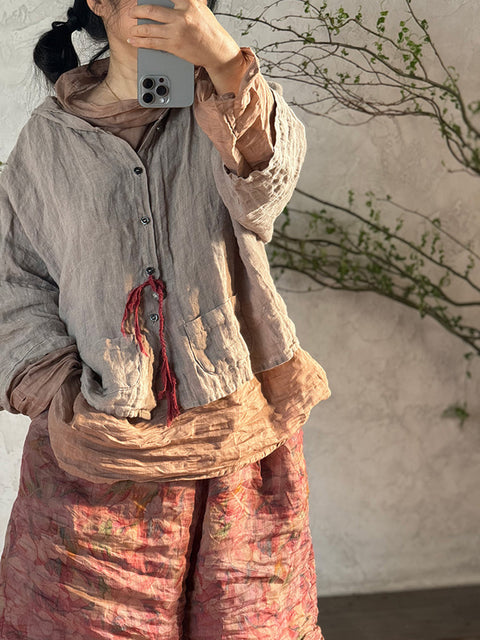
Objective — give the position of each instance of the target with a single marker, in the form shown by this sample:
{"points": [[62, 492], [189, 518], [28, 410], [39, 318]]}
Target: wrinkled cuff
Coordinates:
{"points": [[32, 390], [240, 126], [257, 200]]}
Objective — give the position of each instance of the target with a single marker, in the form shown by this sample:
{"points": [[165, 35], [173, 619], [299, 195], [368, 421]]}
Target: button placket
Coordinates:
{"points": [[157, 285], [154, 317], [146, 220]]}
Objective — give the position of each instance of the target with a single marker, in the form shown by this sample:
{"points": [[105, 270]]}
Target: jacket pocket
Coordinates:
{"points": [[215, 338]]}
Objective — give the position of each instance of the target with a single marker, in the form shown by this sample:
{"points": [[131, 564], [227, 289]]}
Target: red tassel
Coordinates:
{"points": [[168, 378]]}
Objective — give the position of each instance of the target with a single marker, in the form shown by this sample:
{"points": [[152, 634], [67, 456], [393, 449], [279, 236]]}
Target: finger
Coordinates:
{"points": [[148, 30], [152, 12], [148, 43]]}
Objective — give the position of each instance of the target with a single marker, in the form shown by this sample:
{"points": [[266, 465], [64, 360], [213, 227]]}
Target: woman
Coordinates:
{"points": [[163, 488]]}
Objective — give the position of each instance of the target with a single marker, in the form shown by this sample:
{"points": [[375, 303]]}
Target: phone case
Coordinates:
{"points": [[163, 79]]}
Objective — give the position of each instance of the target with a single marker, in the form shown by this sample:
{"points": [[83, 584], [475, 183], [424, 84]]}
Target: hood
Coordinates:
{"points": [[68, 107]]}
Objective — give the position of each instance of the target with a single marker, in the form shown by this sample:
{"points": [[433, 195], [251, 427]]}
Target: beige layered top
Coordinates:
{"points": [[204, 441]]}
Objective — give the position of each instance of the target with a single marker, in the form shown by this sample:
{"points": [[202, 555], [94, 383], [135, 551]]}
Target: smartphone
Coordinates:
{"points": [[163, 79]]}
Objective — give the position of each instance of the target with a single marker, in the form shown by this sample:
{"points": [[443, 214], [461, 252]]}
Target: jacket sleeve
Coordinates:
{"points": [[258, 199], [30, 326]]}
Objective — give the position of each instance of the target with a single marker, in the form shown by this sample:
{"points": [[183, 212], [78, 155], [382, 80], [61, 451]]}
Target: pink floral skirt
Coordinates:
{"points": [[213, 559]]}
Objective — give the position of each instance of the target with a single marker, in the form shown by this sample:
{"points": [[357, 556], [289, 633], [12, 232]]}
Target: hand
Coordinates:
{"points": [[191, 31]]}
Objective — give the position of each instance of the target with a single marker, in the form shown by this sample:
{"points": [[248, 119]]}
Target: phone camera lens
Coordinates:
{"points": [[162, 90], [148, 83], [148, 97]]}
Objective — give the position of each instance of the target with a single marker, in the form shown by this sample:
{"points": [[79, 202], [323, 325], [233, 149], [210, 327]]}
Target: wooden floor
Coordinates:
{"points": [[433, 614]]}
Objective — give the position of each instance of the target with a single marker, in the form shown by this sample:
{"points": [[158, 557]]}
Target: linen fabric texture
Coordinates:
{"points": [[208, 440], [224, 318]]}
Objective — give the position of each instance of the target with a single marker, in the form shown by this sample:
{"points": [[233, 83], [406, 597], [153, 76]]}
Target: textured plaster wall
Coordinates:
{"points": [[393, 486]]}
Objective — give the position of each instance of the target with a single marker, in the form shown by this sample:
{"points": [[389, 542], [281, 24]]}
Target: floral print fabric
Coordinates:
{"points": [[209, 559]]}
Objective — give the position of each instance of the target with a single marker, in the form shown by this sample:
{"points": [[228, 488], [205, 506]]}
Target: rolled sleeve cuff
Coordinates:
{"points": [[32, 389], [240, 126]]}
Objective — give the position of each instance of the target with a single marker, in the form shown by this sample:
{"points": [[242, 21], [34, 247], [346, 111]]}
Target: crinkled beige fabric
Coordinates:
{"points": [[207, 441], [204, 442]]}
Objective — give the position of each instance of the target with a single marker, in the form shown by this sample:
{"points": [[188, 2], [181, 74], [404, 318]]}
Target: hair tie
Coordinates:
{"points": [[73, 22]]}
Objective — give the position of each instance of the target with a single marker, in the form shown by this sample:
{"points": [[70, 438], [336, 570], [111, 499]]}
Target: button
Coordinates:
{"points": [[149, 270], [155, 295], [145, 220], [154, 317], [138, 170]]}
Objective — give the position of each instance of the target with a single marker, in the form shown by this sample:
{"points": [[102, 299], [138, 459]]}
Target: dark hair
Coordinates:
{"points": [[54, 52]]}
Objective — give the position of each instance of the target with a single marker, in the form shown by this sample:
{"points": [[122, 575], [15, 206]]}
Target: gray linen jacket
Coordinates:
{"points": [[84, 218]]}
